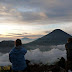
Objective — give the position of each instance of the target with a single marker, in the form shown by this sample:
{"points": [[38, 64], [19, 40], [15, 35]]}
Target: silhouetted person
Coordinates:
{"points": [[28, 68], [60, 66], [16, 57], [62, 63], [69, 54]]}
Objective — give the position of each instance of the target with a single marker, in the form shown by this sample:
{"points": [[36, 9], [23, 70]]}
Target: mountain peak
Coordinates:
{"points": [[59, 33], [58, 30], [56, 37]]}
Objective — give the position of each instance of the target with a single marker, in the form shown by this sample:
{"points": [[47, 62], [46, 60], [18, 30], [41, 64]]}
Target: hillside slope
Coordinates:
{"points": [[56, 37]]}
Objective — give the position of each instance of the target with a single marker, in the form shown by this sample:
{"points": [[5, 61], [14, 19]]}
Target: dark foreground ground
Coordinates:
{"points": [[37, 68], [57, 67]]}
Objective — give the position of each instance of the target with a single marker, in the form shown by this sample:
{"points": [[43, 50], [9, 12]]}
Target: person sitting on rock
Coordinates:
{"points": [[16, 57]]}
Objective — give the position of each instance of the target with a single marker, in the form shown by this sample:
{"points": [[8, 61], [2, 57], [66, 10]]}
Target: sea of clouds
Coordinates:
{"points": [[36, 56]]}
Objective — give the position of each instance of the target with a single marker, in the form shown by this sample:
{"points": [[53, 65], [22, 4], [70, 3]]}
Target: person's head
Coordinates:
{"points": [[18, 42], [69, 40]]}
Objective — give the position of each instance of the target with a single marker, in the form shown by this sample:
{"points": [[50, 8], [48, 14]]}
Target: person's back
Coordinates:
{"points": [[17, 59]]}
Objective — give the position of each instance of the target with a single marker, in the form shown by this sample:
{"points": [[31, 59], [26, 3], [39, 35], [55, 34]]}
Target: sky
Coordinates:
{"points": [[34, 18]]}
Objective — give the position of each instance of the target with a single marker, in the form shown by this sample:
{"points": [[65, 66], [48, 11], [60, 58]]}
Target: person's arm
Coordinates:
{"points": [[24, 51], [10, 58], [10, 54]]}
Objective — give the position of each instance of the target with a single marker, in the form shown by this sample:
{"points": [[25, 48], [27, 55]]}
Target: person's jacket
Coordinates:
{"points": [[16, 57], [69, 50]]}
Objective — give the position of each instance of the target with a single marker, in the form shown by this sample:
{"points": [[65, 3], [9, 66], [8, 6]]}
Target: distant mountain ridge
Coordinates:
{"points": [[6, 46], [26, 40], [8, 43], [56, 37]]}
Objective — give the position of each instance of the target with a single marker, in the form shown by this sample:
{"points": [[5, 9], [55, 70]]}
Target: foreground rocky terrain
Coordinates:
{"points": [[59, 66]]}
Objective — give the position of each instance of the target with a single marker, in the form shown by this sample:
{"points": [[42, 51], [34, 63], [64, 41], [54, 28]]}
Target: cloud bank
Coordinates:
{"points": [[36, 11], [36, 56]]}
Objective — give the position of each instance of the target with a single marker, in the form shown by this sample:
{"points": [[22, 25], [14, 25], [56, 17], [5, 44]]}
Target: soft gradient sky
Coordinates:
{"points": [[34, 18]]}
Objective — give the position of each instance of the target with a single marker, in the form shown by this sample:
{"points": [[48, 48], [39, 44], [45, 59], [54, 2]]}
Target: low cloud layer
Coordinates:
{"points": [[36, 56]]}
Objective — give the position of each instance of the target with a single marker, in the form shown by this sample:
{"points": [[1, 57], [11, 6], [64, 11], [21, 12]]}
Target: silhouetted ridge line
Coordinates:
{"points": [[56, 37]]}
